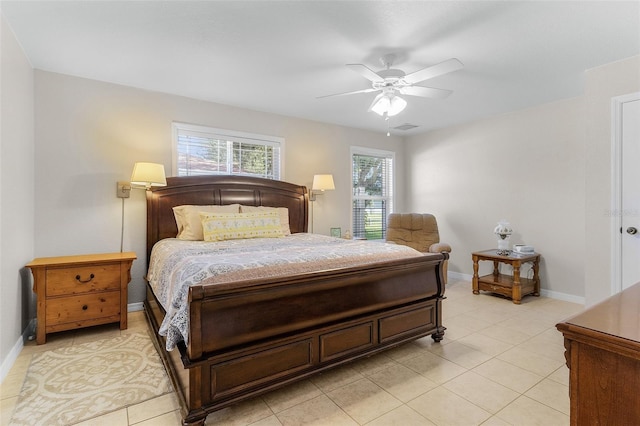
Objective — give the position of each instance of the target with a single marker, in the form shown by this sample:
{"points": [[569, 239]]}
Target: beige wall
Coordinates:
{"points": [[526, 167], [89, 134], [546, 169], [16, 194]]}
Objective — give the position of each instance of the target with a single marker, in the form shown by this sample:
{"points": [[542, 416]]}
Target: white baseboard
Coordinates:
{"points": [[29, 331], [562, 296], [133, 307], [12, 356], [457, 276]]}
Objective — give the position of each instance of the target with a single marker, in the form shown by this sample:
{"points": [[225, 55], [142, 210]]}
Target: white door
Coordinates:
{"points": [[630, 193]]}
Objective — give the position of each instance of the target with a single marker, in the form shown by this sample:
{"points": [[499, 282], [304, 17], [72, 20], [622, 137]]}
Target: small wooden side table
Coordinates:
{"points": [[80, 291], [512, 286]]}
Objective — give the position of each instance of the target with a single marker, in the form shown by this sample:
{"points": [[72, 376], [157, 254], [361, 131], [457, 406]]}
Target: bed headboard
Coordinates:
{"points": [[220, 190]]}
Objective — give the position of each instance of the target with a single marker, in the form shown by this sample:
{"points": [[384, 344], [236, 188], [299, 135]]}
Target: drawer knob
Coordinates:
{"points": [[79, 279], [85, 307]]}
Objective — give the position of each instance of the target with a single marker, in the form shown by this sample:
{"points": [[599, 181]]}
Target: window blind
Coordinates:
{"points": [[372, 194], [201, 152]]}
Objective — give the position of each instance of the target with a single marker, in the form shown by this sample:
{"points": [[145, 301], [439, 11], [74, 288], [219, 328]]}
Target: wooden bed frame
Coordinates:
{"points": [[258, 335]]}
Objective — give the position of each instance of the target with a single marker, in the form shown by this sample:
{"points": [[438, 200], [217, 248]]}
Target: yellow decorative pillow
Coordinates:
{"points": [[233, 226], [189, 222], [283, 212]]}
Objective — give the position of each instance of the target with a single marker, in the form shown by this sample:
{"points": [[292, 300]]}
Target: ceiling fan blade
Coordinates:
{"points": [[349, 93], [445, 67], [426, 92], [366, 72]]}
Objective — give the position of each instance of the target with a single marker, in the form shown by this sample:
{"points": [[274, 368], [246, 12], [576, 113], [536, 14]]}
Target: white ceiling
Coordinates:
{"points": [[279, 56]]}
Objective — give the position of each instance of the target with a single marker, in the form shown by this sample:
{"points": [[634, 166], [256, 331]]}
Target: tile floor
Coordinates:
{"points": [[499, 364]]}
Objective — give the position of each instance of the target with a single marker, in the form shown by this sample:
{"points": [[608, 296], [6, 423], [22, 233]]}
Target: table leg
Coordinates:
{"points": [[536, 277], [496, 268], [39, 287], [475, 276], [516, 291]]}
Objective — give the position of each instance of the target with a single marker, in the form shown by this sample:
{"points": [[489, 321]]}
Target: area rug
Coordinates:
{"points": [[72, 384]]}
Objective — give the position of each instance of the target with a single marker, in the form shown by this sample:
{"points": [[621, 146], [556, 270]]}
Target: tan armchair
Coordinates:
{"points": [[419, 231]]}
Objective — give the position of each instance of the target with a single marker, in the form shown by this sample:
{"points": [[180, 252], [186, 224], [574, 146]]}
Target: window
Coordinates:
{"points": [[200, 150], [372, 197]]}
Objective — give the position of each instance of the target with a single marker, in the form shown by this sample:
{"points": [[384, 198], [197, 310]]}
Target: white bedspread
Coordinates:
{"points": [[176, 264]]}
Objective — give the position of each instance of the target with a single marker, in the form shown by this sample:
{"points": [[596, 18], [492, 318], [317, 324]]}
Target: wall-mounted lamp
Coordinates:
{"points": [[147, 175], [320, 184], [144, 176]]}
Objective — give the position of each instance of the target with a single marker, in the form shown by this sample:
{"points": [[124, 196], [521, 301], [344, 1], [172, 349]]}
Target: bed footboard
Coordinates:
{"points": [[254, 337]]}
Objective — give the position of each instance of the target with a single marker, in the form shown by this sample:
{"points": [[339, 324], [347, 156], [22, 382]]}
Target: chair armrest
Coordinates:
{"points": [[439, 248]]}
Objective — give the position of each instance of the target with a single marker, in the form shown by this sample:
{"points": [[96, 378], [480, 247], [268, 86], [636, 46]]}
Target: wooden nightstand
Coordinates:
{"points": [[80, 291]]}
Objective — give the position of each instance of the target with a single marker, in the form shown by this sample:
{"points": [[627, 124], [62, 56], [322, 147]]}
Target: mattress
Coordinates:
{"points": [[175, 265]]}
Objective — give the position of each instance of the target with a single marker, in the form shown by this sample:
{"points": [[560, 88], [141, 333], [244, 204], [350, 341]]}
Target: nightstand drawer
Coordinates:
{"points": [[85, 307], [82, 279]]}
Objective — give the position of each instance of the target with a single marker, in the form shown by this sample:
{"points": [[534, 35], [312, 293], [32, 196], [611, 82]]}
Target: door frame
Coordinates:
{"points": [[616, 188]]}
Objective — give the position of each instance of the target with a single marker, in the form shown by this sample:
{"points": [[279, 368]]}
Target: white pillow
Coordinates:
{"points": [[189, 222], [234, 226], [283, 213]]}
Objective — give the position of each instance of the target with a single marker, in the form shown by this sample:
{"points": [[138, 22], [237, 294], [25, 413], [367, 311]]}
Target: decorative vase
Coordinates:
{"points": [[503, 231]]}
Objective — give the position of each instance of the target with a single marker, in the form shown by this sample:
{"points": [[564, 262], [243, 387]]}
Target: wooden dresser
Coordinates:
{"points": [[80, 291], [603, 355]]}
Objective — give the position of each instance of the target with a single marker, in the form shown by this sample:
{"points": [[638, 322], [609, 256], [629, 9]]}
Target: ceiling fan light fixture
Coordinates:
{"points": [[382, 105], [391, 105], [397, 105]]}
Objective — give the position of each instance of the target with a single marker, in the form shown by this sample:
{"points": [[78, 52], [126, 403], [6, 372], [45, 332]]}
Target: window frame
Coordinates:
{"points": [[391, 199], [225, 134]]}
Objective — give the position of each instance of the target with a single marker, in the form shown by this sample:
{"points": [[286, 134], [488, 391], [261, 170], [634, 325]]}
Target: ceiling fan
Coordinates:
{"points": [[391, 82]]}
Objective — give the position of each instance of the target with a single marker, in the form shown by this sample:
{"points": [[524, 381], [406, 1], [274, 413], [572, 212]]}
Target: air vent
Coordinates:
{"points": [[405, 126]]}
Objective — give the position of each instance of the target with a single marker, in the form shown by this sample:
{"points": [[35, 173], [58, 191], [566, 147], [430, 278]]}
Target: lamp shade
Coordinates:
{"points": [[148, 175], [322, 183]]}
